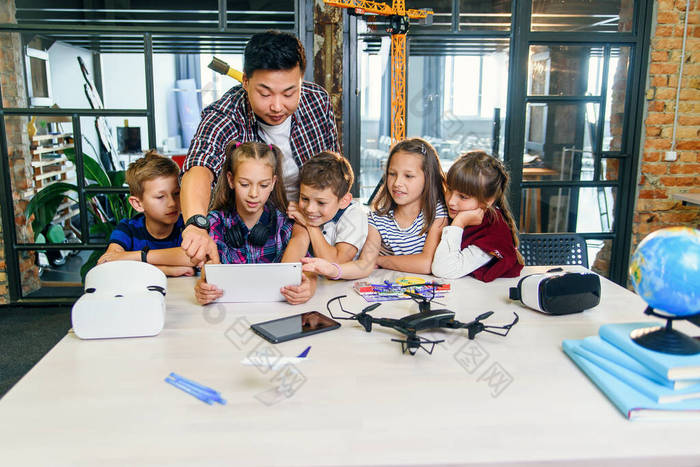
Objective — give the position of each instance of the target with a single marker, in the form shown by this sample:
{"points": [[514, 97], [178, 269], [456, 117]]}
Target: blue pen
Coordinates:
{"points": [[214, 395], [189, 390], [202, 395], [195, 384]]}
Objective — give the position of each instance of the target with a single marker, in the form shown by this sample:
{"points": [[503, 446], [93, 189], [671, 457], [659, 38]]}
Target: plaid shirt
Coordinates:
{"points": [[232, 118], [271, 252]]}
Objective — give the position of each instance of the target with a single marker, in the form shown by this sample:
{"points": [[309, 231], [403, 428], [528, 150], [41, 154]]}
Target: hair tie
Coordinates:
{"points": [[271, 148], [238, 143]]}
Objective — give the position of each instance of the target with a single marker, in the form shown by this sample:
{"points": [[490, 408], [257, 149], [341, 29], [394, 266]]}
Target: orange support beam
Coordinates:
{"points": [[398, 88], [398, 53]]}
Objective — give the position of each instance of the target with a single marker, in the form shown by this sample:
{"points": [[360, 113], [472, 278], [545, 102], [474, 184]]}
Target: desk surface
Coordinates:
{"points": [[362, 401]]}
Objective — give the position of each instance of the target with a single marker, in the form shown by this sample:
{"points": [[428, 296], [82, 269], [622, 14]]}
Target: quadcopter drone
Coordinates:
{"points": [[424, 319]]}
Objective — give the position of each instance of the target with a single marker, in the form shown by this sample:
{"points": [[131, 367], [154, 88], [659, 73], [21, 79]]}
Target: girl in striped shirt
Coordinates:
{"points": [[409, 214]]}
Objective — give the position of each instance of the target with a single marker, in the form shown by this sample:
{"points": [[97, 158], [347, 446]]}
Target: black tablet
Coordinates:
{"points": [[293, 327]]}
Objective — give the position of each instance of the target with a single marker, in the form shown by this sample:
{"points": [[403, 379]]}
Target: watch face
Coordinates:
{"points": [[199, 221]]}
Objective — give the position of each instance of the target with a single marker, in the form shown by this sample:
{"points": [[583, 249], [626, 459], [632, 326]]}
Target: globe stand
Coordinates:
{"points": [[667, 339]]}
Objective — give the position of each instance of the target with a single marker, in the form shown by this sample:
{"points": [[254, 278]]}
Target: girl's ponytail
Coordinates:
{"points": [[502, 204], [223, 197]]}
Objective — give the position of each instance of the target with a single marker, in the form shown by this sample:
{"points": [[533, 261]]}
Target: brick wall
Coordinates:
{"points": [[14, 95], [659, 179]]}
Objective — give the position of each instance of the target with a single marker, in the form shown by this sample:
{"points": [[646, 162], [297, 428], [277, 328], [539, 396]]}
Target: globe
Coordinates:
{"points": [[665, 270]]}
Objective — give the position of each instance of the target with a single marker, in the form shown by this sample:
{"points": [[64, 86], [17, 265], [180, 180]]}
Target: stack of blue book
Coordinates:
{"points": [[642, 383]]}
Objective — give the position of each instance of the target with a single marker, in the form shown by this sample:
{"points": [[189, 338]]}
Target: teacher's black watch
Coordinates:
{"points": [[198, 220]]}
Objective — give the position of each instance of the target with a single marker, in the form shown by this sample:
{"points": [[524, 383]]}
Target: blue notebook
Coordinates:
{"points": [[654, 391], [608, 351], [668, 366], [633, 404]]}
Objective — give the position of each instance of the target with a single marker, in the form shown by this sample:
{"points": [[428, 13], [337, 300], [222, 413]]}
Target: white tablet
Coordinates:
{"points": [[253, 282]]}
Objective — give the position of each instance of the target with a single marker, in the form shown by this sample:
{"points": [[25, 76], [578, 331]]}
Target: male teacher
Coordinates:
{"points": [[273, 106]]}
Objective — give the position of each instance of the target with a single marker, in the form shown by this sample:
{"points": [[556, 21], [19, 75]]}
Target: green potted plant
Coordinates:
{"points": [[45, 203]]}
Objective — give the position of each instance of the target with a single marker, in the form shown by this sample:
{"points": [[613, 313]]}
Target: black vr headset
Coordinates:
{"points": [[558, 293]]}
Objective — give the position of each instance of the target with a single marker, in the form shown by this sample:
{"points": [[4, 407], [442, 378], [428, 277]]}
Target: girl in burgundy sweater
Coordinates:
{"points": [[482, 238]]}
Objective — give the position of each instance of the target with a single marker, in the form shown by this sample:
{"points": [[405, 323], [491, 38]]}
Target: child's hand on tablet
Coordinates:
{"points": [[298, 294], [205, 292]]}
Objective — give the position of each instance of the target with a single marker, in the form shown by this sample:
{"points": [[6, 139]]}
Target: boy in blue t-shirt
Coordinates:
{"points": [[153, 236]]}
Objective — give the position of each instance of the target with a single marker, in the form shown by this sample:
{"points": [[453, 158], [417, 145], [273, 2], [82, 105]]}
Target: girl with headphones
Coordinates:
{"points": [[247, 218]]}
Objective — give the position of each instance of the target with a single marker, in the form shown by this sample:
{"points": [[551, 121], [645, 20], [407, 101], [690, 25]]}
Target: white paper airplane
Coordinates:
{"points": [[272, 361]]}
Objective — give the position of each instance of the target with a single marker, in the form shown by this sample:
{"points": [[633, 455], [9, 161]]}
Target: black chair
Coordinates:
{"points": [[553, 249]]}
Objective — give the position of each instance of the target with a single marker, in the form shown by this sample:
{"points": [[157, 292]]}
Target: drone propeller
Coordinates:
{"points": [[483, 316], [423, 302], [414, 342], [475, 327], [415, 296], [372, 307]]}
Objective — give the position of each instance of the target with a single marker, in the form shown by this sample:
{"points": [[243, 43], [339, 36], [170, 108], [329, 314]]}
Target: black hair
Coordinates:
{"points": [[273, 50]]}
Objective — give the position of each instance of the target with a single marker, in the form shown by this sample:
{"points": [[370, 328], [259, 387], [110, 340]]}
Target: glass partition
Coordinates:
{"points": [[567, 209], [485, 16], [582, 15]]}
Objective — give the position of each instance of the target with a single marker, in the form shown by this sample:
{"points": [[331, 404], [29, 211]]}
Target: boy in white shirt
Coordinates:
{"points": [[328, 223]]}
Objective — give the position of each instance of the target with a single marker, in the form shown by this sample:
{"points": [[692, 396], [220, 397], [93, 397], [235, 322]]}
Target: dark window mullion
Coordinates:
{"points": [[569, 183], [80, 176], [28, 111], [636, 76], [101, 190], [514, 130], [455, 16], [562, 99], [600, 130], [579, 38], [223, 16], [59, 246], [150, 98]]}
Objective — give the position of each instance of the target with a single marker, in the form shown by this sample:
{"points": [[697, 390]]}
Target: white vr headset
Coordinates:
{"points": [[122, 299], [558, 293]]}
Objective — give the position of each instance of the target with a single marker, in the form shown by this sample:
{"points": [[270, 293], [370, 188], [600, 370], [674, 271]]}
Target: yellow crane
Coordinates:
{"points": [[398, 26]]}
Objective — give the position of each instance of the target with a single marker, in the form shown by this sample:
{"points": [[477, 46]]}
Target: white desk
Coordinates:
{"points": [[363, 402]]}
